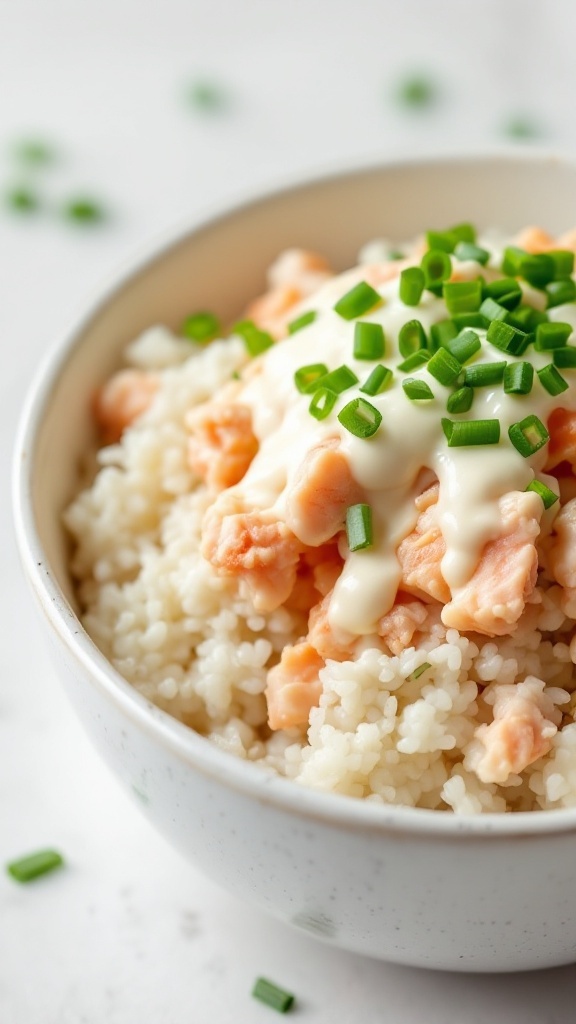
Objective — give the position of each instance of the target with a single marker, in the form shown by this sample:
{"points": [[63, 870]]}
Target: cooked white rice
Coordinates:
{"points": [[186, 640]]}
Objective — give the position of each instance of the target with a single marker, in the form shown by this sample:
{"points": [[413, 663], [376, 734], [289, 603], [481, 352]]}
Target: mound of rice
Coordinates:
{"points": [[394, 730]]}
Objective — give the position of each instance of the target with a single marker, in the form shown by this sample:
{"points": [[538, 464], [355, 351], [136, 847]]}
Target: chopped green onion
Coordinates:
{"points": [[464, 345], [441, 333], [307, 378], [468, 433], [339, 380], [483, 375], [507, 338], [518, 378], [464, 232], [492, 310], [272, 995], [411, 338], [444, 367], [34, 152], [414, 361], [443, 240], [460, 400], [538, 270], [378, 380], [255, 340], [419, 672], [527, 318], [512, 259], [26, 869], [462, 296], [360, 417], [412, 283], [560, 292], [207, 97], [84, 211], [548, 496], [563, 260], [201, 327], [302, 321], [323, 401], [417, 91], [359, 527], [22, 199], [506, 291], [357, 301], [552, 335], [565, 358], [468, 320], [522, 127], [528, 435], [469, 251], [437, 267], [417, 390], [551, 380], [368, 340]]}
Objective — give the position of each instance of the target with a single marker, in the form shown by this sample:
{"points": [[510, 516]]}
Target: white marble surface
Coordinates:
{"points": [[129, 933]]}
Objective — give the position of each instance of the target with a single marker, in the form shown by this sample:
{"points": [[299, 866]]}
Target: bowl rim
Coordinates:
{"points": [[250, 779]]}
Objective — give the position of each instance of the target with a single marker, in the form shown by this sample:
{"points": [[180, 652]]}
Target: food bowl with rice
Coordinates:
{"points": [[308, 557]]}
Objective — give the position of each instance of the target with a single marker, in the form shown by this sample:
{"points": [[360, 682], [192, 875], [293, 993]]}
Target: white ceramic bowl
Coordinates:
{"points": [[413, 886]]}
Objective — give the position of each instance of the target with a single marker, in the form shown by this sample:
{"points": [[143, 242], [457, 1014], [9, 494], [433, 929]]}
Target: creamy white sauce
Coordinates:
{"points": [[410, 439]]}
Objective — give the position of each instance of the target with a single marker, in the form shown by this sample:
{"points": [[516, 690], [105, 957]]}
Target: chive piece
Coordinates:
{"points": [[462, 296], [272, 995], [538, 270], [527, 318], [207, 97], [417, 91], [302, 321], [437, 267], [462, 320], [522, 127], [418, 672], [357, 301], [559, 292], [468, 433], [565, 358], [518, 378], [323, 401], [339, 380], [26, 869], [417, 390], [469, 251], [483, 375], [492, 310], [464, 232], [551, 380], [464, 345], [414, 361], [412, 283], [563, 260], [460, 400], [368, 340], [512, 259], [307, 378], [359, 527], [255, 340], [507, 338], [506, 291], [22, 199], [201, 327], [360, 417], [444, 367], [528, 435], [552, 335], [443, 240], [378, 380], [548, 496], [83, 211], [441, 333], [34, 152], [411, 338]]}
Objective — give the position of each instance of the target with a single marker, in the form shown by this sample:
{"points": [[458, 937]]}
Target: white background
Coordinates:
{"points": [[129, 933]]}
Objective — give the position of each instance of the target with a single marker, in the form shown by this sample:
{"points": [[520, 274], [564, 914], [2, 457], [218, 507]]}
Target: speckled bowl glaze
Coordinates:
{"points": [[417, 887]]}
